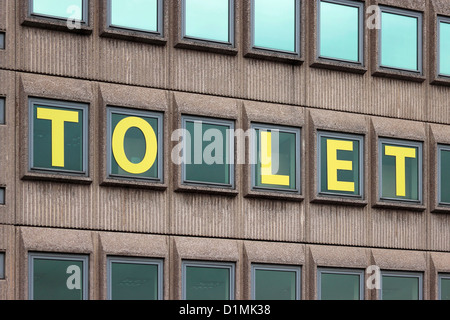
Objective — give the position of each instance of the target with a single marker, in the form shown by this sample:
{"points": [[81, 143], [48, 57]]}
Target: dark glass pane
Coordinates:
{"points": [[134, 281], [445, 176], [59, 8], [207, 20], [2, 40], [135, 146], [2, 111], [43, 140], [50, 279], [135, 14], [283, 158], [275, 285], [337, 286], [445, 288], [207, 283], [400, 288], [339, 31], [390, 187], [275, 24], [2, 265], [208, 164], [348, 177], [399, 41]]}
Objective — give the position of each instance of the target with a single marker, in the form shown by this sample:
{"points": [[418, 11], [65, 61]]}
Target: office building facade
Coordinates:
{"points": [[224, 149]]}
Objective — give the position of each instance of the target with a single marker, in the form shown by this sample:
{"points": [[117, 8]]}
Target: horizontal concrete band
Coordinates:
{"points": [[19, 242]]}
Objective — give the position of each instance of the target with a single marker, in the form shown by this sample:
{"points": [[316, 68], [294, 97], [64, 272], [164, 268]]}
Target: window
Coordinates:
{"points": [[275, 282], [401, 39], [208, 280], [401, 170], [444, 46], [60, 9], [340, 26], [211, 20], [444, 287], [209, 152], [135, 279], [443, 175], [2, 111], [59, 135], [137, 15], [2, 196], [57, 277], [340, 284], [276, 25], [2, 40], [276, 158], [401, 286], [340, 164], [135, 144], [2, 265]]}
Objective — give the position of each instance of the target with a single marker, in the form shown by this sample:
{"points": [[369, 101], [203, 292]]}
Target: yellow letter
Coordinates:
{"points": [[266, 163], [58, 118], [333, 165], [400, 153], [151, 144]]}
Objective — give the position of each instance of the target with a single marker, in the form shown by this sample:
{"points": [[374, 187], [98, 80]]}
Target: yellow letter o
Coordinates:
{"points": [[151, 145]]}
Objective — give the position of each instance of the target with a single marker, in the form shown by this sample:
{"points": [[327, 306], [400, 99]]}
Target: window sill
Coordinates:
{"points": [[137, 36], [274, 195], [401, 205], [399, 74], [133, 183], [293, 58], [56, 177], [55, 24], [339, 65], [192, 44], [441, 80], [339, 200], [441, 209], [190, 188]]}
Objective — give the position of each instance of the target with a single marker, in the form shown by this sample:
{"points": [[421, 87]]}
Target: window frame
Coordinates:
{"points": [[2, 196], [58, 256], [2, 111], [298, 15], [341, 271], [110, 110], [442, 276], [159, 22], [440, 19], [405, 143], [441, 147], [230, 266], [2, 265], [408, 13], [58, 104], [84, 13], [210, 121], [361, 13], [254, 157], [231, 26], [404, 274], [344, 136], [135, 260], [275, 267], [2, 40]]}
